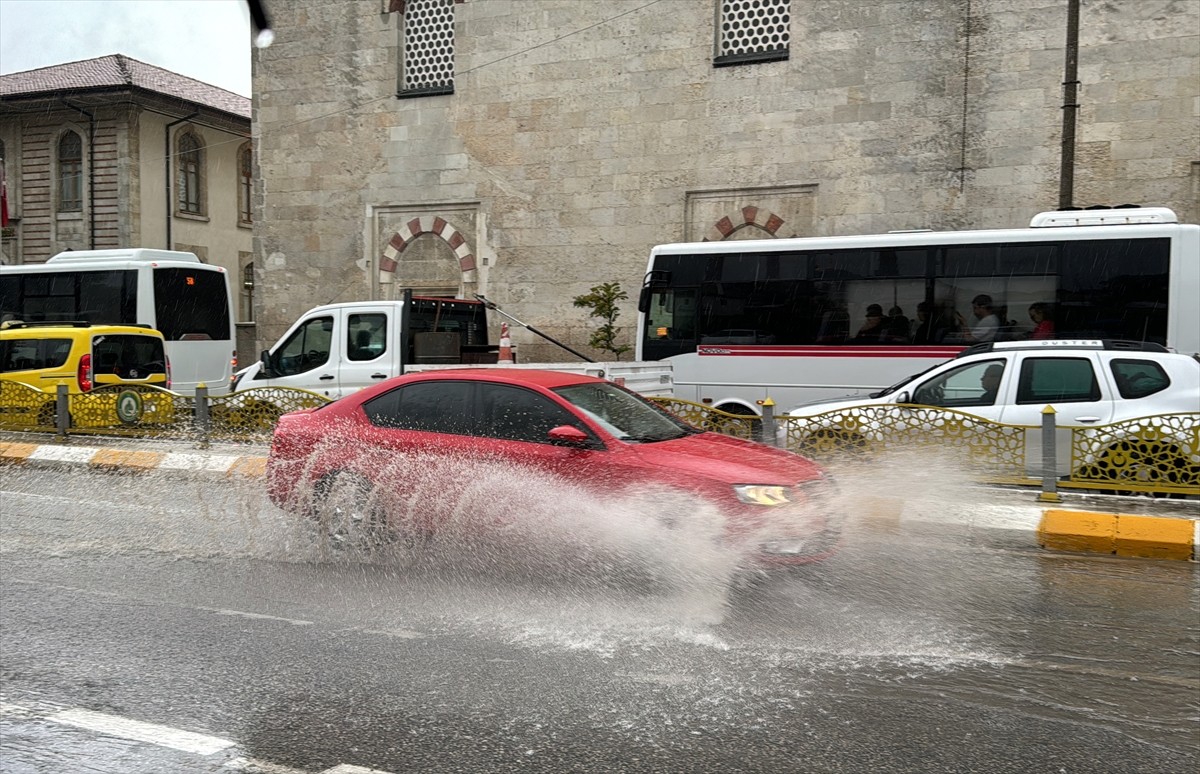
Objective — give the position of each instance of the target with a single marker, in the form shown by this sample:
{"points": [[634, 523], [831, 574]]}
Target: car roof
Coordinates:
{"points": [[529, 376], [25, 330], [1111, 345]]}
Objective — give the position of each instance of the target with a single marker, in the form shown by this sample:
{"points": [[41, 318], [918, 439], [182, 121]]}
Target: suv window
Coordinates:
{"points": [[517, 414], [33, 354], [128, 356], [1139, 378], [1057, 380], [973, 384], [435, 407]]}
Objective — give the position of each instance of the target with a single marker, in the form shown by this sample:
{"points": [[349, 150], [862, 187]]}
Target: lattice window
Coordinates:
{"points": [[245, 184], [190, 175], [70, 172], [753, 31], [428, 46]]}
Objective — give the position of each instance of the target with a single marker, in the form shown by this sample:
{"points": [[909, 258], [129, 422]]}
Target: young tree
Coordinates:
{"points": [[603, 302]]}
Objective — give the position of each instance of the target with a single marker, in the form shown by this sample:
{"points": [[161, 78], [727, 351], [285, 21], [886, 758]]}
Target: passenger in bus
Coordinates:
{"points": [[1043, 320], [873, 327], [927, 329], [986, 325], [895, 327]]}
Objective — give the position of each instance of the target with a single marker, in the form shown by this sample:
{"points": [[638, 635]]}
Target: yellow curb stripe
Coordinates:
{"points": [[136, 460], [1155, 538], [1082, 531], [1122, 534], [248, 467], [16, 453]]}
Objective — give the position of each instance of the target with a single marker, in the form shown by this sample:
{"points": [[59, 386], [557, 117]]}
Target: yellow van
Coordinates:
{"points": [[98, 363]]}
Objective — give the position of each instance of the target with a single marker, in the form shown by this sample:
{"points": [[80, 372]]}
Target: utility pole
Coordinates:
{"points": [[1070, 108]]}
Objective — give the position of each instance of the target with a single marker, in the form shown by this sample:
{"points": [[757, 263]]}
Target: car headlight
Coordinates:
{"points": [[762, 494]]}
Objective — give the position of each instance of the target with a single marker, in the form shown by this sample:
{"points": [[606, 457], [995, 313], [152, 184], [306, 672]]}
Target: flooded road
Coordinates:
{"points": [[137, 609]]}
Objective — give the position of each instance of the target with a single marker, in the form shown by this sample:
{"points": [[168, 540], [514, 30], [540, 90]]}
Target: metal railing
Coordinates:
{"points": [[1158, 455]]}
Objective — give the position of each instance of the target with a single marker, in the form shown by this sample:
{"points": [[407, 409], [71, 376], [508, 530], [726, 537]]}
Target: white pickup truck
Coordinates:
{"points": [[337, 349]]}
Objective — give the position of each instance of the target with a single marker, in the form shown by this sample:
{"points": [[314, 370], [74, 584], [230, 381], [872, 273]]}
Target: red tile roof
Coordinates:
{"points": [[118, 70]]}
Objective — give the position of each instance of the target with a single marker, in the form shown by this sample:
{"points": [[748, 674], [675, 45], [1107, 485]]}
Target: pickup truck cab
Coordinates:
{"points": [[337, 349]]}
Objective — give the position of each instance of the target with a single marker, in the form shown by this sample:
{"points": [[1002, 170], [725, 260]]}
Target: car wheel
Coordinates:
{"points": [[347, 514]]}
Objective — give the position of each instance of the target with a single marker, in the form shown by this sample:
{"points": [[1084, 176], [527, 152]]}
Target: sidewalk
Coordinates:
{"points": [[1101, 524], [135, 454]]}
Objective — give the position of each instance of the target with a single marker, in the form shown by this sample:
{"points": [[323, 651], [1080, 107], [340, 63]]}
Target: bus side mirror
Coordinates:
{"points": [[644, 299]]}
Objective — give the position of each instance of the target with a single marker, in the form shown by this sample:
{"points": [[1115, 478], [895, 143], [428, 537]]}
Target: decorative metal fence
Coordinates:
{"points": [[1152, 455]]}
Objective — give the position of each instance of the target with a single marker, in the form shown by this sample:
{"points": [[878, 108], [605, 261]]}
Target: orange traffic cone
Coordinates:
{"points": [[505, 345]]}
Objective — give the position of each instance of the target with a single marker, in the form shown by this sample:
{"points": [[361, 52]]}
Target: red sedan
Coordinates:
{"points": [[400, 459]]}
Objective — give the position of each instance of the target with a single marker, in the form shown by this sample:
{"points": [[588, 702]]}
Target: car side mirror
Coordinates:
{"points": [[565, 435], [904, 397], [265, 366]]}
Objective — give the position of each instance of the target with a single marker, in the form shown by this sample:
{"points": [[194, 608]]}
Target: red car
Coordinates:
{"points": [[410, 457]]}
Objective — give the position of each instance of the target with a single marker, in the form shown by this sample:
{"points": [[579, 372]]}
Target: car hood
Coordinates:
{"points": [[729, 460], [834, 404]]}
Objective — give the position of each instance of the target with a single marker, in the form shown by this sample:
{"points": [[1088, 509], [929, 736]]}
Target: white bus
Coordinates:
{"points": [[172, 292], [806, 319]]}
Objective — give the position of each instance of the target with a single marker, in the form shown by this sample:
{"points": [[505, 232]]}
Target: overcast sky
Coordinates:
{"points": [[208, 40]]}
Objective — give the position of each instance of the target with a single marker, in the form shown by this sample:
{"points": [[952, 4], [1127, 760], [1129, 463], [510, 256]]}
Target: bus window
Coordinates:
{"points": [[191, 305]]}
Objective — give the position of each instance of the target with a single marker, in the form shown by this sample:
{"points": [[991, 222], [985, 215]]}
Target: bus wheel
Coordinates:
{"points": [[743, 424], [831, 442]]}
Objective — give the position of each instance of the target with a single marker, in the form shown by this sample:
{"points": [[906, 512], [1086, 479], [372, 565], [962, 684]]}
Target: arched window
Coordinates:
{"points": [[245, 184], [70, 172], [191, 175]]}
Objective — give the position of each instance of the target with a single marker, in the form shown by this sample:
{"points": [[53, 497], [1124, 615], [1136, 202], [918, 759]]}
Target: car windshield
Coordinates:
{"points": [[625, 414], [902, 382]]}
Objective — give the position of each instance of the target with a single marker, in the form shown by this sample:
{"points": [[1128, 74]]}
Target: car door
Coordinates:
{"points": [[367, 354], [516, 421], [1071, 384], [305, 358]]}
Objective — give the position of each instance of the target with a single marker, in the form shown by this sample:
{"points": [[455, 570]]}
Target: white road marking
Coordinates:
{"points": [[403, 634], [258, 616], [63, 454], [255, 766], [186, 461], [153, 733]]}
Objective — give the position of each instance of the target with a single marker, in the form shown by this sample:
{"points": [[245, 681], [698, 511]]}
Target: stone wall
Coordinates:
{"points": [[580, 134]]}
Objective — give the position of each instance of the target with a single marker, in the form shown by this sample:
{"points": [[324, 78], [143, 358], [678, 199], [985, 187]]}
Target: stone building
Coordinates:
{"points": [[530, 150], [85, 148]]}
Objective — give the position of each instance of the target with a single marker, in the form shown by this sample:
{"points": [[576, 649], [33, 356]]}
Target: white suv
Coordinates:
{"points": [[1087, 383]]}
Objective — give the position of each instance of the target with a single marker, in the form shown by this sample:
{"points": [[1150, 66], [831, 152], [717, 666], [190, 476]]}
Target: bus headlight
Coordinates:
{"points": [[762, 494]]}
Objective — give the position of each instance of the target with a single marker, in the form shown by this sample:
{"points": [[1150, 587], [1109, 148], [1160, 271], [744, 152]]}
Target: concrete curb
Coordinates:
{"points": [[132, 461], [1161, 530]]}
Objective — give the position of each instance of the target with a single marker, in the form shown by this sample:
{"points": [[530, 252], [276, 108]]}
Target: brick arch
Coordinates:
{"points": [[748, 216], [437, 226]]}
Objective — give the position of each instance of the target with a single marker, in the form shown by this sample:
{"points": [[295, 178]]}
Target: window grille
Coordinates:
{"points": [[428, 36], [70, 173], [753, 31]]}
